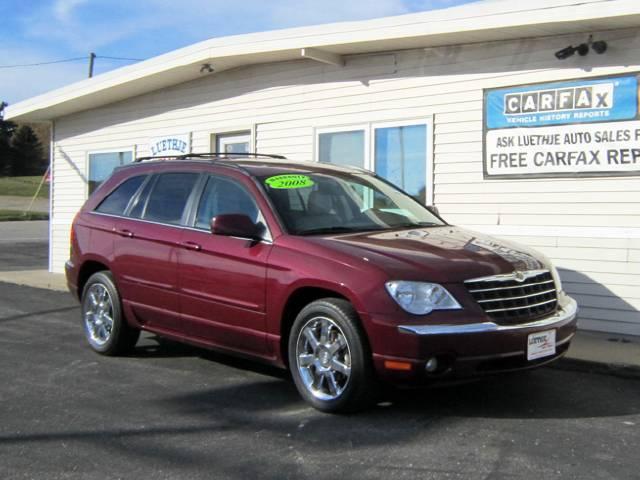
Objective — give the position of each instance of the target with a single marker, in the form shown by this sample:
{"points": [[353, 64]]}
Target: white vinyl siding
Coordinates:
{"points": [[590, 227]]}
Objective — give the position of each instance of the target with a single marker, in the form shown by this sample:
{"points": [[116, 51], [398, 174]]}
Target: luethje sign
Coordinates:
{"points": [[582, 127], [170, 145]]}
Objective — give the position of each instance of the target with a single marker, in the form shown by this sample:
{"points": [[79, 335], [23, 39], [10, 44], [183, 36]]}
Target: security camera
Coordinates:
{"points": [[599, 47], [565, 52], [206, 68]]}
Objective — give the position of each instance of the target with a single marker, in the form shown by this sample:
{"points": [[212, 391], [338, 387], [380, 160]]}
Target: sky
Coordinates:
{"points": [[47, 30]]}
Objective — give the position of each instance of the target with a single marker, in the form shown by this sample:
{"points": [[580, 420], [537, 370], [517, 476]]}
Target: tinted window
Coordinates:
{"points": [[139, 202], [117, 201], [222, 196], [169, 197]]}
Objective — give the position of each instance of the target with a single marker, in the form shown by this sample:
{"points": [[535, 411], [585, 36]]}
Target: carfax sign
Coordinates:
{"points": [[581, 127]]}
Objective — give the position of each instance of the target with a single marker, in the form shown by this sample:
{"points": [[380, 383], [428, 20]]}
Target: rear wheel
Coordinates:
{"points": [[105, 327], [329, 357]]}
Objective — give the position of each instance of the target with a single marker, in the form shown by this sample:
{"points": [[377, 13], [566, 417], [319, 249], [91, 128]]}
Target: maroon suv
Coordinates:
{"points": [[331, 272]]}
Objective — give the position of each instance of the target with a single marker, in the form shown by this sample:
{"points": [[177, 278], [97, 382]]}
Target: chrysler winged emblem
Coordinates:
{"points": [[518, 276]]}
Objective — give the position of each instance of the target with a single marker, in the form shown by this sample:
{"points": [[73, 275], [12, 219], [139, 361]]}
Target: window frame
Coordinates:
{"points": [[186, 213], [87, 161], [215, 134], [428, 123], [364, 127], [199, 192], [369, 129], [135, 195]]}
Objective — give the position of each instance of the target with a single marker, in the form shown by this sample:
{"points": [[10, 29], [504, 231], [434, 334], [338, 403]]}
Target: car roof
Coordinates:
{"points": [[257, 167]]}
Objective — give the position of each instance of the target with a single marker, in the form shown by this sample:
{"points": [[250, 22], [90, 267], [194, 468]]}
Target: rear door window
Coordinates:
{"points": [[116, 202], [169, 197]]}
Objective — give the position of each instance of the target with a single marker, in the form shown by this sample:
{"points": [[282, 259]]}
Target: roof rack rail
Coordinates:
{"points": [[212, 156]]}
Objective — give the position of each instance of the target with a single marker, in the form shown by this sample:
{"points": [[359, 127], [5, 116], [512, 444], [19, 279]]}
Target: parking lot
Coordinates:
{"points": [[170, 411]]}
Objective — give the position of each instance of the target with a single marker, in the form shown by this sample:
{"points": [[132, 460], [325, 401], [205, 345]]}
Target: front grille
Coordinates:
{"points": [[515, 298]]}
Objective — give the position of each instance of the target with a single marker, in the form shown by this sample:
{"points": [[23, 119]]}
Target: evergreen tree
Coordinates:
{"points": [[7, 154], [29, 158]]}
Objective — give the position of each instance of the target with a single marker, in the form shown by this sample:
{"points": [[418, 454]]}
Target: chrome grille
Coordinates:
{"points": [[515, 298]]}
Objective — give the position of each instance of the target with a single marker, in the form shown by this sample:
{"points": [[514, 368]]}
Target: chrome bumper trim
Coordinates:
{"points": [[567, 314]]}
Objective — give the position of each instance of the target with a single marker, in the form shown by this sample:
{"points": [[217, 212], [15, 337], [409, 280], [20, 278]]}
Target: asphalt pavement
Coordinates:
{"points": [[175, 412], [24, 245]]}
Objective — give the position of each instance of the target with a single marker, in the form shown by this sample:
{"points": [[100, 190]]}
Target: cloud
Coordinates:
{"points": [[63, 9]]}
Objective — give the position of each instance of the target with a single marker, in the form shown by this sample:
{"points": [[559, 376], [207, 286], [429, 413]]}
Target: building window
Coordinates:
{"points": [[399, 151], [236, 142], [101, 164], [400, 156], [345, 147]]}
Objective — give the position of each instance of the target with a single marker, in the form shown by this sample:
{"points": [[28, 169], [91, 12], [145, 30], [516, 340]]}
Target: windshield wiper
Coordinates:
{"points": [[337, 229], [416, 225]]}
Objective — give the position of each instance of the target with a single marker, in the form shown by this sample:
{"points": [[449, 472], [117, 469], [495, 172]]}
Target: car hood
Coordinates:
{"points": [[440, 254]]}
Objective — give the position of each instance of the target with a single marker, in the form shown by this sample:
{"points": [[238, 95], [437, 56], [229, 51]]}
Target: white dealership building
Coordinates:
{"points": [[518, 119]]}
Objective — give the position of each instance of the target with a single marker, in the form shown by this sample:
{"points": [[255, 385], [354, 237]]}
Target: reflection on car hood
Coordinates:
{"points": [[443, 254]]}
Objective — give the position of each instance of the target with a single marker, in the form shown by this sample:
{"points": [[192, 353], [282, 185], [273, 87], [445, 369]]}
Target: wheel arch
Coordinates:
{"points": [[296, 301], [87, 269]]}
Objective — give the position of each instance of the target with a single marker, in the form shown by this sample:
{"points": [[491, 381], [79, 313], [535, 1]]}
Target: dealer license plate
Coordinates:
{"points": [[541, 344]]}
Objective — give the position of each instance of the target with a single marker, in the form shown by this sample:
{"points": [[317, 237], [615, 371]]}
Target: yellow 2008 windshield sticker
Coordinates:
{"points": [[289, 181]]}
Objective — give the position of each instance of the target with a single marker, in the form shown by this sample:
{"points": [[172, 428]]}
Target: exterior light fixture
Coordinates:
{"points": [[599, 47]]}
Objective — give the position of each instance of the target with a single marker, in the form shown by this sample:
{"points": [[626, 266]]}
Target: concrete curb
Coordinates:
{"points": [[36, 279]]}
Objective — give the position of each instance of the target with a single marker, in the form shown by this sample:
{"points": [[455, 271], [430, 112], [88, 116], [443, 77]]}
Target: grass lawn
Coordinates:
{"points": [[16, 215], [23, 186]]}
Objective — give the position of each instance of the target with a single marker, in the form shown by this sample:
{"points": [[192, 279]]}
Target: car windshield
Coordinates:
{"points": [[336, 202]]}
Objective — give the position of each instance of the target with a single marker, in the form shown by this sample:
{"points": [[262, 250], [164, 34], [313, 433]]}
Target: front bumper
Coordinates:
{"points": [[466, 350], [558, 319], [71, 275]]}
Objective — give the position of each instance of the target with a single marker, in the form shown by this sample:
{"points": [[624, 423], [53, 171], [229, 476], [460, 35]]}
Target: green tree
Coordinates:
{"points": [[7, 154], [29, 158]]}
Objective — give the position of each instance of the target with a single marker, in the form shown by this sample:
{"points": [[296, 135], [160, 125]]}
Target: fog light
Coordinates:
{"points": [[432, 365]]}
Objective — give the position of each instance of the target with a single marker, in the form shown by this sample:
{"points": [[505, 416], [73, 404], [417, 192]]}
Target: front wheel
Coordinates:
{"points": [[329, 357], [105, 327]]}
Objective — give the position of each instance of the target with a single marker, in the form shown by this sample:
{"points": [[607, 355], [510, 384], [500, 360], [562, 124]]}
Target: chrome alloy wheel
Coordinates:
{"points": [[324, 358], [98, 315]]}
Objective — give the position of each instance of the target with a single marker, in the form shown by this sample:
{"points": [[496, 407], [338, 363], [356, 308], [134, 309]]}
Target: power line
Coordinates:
{"points": [[120, 58], [43, 63], [66, 60]]}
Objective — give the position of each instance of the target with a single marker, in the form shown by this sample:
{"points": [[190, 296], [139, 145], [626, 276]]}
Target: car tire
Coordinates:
{"points": [[105, 326], [330, 358]]}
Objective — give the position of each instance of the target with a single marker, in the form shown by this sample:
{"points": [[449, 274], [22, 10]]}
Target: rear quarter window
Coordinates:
{"points": [[116, 202]]}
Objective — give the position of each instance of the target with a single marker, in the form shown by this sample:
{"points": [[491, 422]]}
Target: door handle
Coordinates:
{"points": [[191, 246], [123, 233]]}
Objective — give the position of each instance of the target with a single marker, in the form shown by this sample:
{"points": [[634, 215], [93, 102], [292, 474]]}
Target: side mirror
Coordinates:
{"points": [[236, 225], [433, 209]]}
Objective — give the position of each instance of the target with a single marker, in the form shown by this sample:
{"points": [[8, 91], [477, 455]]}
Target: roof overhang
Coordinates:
{"points": [[471, 23]]}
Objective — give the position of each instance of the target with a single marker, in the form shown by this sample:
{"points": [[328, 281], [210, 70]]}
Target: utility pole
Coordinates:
{"points": [[92, 57]]}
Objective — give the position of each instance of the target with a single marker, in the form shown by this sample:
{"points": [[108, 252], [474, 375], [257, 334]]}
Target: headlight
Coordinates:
{"points": [[556, 278], [421, 298]]}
